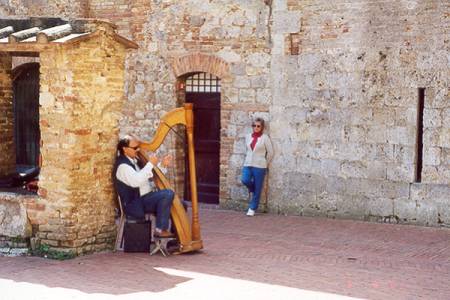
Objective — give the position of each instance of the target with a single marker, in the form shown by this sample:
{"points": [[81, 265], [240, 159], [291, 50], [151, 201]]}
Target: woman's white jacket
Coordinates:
{"points": [[261, 156]]}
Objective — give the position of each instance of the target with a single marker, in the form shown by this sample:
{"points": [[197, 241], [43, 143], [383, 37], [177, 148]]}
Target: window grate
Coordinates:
{"points": [[203, 83]]}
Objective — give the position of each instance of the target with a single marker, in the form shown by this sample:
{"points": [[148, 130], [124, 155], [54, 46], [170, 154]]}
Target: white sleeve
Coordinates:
{"points": [[133, 178], [269, 149], [162, 168], [248, 141]]}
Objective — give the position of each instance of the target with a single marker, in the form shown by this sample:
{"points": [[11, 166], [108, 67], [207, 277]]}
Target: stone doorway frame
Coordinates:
{"points": [[185, 66]]}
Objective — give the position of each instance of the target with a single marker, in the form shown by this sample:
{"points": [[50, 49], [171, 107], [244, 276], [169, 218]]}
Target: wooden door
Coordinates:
{"points": [[26, 115], [207, 145]]}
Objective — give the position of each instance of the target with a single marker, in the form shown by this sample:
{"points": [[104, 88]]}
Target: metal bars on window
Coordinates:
{"points": [[203, 83]]}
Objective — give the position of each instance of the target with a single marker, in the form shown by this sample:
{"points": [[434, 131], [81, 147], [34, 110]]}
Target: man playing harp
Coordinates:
{"points": [[131, 180]]}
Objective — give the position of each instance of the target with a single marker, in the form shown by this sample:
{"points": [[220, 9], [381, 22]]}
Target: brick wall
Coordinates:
{"points": [[81, 96], [7, 150]]}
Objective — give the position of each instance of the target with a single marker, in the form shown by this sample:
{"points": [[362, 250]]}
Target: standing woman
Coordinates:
{"points": [[258, 156]]}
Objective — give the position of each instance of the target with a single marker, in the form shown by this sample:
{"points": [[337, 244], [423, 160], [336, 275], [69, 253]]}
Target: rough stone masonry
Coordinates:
{"points": [[337, 80]]}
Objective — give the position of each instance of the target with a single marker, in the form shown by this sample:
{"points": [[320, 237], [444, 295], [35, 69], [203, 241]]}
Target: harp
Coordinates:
{"points": [[188, 232]]}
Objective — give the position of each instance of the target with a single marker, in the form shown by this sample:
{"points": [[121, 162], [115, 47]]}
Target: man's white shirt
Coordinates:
{"points": [[138, 178]]}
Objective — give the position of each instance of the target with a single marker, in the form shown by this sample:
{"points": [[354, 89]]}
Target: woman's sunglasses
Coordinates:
{"points": [[256, 125], [134, 148]]}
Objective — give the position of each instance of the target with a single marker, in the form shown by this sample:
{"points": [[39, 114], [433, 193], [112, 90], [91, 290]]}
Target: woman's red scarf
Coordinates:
{"points": [[255, 136]]}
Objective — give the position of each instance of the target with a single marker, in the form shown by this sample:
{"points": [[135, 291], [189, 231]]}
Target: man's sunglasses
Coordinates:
{"points": [[255, 125]]}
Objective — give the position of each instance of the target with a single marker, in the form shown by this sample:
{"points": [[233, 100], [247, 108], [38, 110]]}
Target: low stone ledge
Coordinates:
{"points": [[14, 221], [7, 251]]}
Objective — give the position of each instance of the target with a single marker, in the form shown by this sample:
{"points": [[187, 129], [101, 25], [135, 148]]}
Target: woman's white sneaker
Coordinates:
{"points": [[250, 212]]}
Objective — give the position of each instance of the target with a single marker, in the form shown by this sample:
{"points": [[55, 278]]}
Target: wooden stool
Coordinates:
{"points": [[161, 245]]}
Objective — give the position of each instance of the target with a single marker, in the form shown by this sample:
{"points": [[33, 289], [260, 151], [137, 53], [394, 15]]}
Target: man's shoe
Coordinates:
{"points": [[250, 212], [164, 234]]}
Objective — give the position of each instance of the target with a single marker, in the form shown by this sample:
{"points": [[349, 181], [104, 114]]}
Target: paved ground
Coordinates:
{"points": [[265, 257]]}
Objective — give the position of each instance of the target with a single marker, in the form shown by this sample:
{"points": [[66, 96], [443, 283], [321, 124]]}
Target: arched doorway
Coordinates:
{"points": [[26, 115], [203, 90]]}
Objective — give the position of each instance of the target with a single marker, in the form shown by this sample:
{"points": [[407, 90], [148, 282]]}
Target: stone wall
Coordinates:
{"points": [[227, 39], [337, 80], [344, 117], [7, 149], [338, 83], [55, 8]]}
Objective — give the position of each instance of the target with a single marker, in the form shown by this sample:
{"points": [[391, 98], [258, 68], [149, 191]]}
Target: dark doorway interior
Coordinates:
{"points": [[203, 90], [26, 116]]}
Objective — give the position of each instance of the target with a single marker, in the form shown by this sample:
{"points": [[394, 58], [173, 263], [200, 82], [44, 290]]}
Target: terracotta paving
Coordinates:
{"points": [[265, 257]]}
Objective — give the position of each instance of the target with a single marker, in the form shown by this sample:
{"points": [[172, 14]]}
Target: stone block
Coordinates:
{"points": [[13, 217], [355, 169], [431, 156], [376, 170], [286, 21], [401, 135], [444, 138], [432, 118], [380, 207], [406, 210], [263, 96], [247, 95], [402, 173], [354, 207], [326, 203], [329, 167], [350, 152], [241, 82], [18, 252], [261, 60], [376, 134], [404, 154], [430, 174], [309, 166]]}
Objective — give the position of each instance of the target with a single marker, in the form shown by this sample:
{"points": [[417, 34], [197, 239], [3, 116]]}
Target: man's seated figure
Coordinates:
{"points": [[133, 186]]}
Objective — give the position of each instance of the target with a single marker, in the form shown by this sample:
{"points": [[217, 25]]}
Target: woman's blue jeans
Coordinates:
{"points": [[253, 179]]}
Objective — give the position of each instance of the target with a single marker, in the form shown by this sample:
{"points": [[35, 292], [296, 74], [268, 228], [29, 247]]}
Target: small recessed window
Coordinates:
{"points": [[203, 83]]}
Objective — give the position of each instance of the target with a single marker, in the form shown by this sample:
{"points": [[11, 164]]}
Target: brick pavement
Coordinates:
{"points": [[266, 257]]}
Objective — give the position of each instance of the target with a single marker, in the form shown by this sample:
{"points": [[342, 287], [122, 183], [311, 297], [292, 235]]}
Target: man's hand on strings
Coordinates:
{"points": [[167, 161], [153, 159]]}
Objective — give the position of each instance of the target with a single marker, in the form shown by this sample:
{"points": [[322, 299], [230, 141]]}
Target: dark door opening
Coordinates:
{"points": [[26, 116], [204, 92]]}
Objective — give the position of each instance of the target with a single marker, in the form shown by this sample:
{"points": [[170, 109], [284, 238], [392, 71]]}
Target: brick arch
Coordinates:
{"points": [[201, 63]]}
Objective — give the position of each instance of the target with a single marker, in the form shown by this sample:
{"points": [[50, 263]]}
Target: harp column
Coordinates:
{"points": [[192, 176]]}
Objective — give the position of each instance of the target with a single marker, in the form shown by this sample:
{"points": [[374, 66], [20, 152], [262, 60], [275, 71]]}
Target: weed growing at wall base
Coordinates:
{"points": [[46, 252]]}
